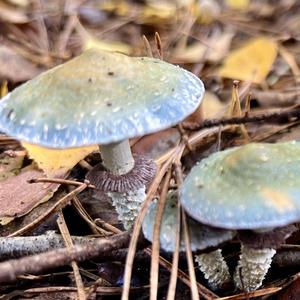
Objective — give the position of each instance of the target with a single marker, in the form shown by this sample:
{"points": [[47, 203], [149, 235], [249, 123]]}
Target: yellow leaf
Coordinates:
{"points": [[57, 161], [120, 7], [106, 45], [238, 4], [3, 89], [252, 62], [211, 105], [158, 13]]}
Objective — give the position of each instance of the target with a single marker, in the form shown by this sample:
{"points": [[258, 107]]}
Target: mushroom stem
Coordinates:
{"points": [[214, 268], [252, 267], [117, 157]]}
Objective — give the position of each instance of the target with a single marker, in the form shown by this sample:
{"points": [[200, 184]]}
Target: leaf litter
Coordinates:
{"points": [[252, 41]]}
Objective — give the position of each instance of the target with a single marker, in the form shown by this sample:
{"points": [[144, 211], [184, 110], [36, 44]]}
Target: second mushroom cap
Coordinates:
{"points": [[248, 187]]}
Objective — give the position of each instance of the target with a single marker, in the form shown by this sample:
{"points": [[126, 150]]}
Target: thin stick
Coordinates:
{"points": [[159, 45], [69, 244], [189, 257], [174, 271], [187, 240], [147, 46], [154, 271], [86, 217], [60, 181], [294, 113]]}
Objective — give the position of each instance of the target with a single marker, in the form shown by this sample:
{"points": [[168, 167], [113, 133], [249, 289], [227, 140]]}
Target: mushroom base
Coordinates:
{"points": [[214, 268], [252, 267], [128, 205]]}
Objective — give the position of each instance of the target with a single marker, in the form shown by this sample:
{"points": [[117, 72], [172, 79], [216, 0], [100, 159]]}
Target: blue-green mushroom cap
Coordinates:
{"points": [[202, 236], [249, 187], [99, 97]]}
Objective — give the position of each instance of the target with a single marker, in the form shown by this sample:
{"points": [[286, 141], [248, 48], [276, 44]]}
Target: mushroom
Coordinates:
{"points": [[104, 98], [202, 237], [255, 189]]}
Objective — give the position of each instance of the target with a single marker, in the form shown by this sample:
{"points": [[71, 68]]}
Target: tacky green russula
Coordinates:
{"points": [[99, 97], [253, 187], [202, 237], [248, 187], [104, 98]]}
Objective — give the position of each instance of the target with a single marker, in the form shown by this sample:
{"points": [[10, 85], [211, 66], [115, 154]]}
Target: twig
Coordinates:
{"points": [[38, 263], [86, 217], [61, 181], [69, 244], [187, 240], [154, 271], [15, 247], [175, 260], [295, 113]]}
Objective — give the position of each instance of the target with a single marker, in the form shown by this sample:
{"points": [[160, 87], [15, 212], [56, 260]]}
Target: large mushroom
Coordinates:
{"points": [[104, 98], [202, 237], [255, 189]]}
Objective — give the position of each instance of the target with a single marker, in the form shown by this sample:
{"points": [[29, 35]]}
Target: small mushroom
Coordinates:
{"points": [[104, 98], [203, 237], [255, 189]]}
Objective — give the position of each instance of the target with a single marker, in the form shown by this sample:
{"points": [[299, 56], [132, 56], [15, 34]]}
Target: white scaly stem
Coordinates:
{"points": [[252, 267], [214, 268], [117, 158]]}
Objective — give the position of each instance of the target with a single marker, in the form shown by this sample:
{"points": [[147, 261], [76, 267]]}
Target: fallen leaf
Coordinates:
{"points": [[214, 49], [18, 197], [10, 163], [237, 4], [91, 42], [252, 62], [120, 8], [57, 161], [292, 292], [157, 13], [156, 144], [207, 11], [211, 105], [14, 66], [10, 14]]}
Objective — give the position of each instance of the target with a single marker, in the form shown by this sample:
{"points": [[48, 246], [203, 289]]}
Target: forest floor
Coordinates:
{"points": [[247, 53]]}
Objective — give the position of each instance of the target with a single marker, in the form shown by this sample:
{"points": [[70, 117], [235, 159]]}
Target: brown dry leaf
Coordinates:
{"points": [[10, 163], [15, 67], [292, 292], [214, 49], [18, 197], [252, 62], [57, 161], [10, 14], [156, 144]]}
